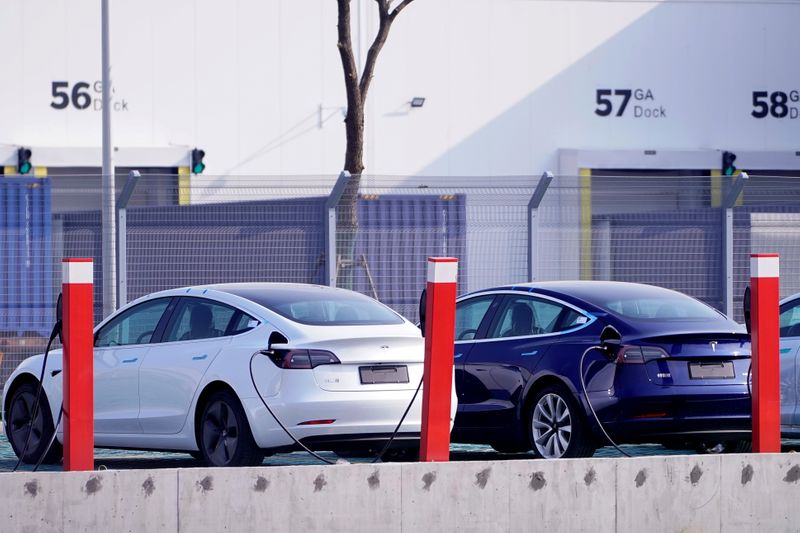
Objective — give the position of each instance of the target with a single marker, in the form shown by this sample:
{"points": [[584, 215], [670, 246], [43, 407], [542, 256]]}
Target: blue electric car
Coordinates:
{"points": [[533, 361]]}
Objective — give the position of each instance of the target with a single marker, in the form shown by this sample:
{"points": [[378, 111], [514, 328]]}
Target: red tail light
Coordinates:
{"points": [[640, 354], [307, 359]]}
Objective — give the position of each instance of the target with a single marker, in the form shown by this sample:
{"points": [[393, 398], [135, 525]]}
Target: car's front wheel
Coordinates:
{"points": [[225, 436], [31, 432], [556, 427]]}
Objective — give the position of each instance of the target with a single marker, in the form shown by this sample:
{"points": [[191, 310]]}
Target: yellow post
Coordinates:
{"points": [[586, 222], [184, 177]]}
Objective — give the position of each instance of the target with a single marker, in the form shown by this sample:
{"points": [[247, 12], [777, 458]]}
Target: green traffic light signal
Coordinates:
{"points": [[728, 168], [24, 160], [197, 161]]}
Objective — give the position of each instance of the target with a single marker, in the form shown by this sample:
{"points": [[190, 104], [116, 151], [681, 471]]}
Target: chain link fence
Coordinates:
{"points": [[690, 231]]}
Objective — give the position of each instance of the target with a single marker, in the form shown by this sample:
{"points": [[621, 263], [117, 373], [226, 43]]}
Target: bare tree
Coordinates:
{"points": [[357, 89]]}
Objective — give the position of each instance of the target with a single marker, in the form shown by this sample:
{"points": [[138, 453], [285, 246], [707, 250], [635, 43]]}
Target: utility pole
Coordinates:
{"points": [[108, 203]]}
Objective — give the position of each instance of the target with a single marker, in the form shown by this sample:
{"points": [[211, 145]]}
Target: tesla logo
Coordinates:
{"points": [[713, 345]]}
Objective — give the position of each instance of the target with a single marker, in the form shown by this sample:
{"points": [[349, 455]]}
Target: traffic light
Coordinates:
{"points": [[197, 161], [24, 160], [728, 168]]}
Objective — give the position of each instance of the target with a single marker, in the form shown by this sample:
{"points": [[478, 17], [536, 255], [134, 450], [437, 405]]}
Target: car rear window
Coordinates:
{"points": [[670, 306], [323, 307]]}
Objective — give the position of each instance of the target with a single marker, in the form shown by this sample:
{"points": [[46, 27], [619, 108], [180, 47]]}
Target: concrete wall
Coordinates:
{"points": [[653, 494]]}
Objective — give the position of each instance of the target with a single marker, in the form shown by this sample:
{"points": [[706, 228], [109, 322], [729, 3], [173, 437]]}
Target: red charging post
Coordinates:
{"points": [[78, 378], [440, 310], [764, 314]]}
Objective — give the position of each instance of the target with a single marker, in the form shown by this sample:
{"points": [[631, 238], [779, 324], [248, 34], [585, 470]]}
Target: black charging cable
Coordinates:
{"points": [[39, 391], [52, 440], [306, 448], [589, 402]]}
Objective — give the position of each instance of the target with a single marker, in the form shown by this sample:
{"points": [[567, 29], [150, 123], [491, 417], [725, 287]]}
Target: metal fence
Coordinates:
{"points": [[689, 231]]}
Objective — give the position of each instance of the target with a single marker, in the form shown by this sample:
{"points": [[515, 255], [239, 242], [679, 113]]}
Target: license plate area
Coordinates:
{"points": [[371, 375], [718, 370]]}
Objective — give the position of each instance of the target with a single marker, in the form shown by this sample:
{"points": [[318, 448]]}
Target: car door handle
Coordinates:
{"points": [[525, 354], [130, 360], [199, 357]]}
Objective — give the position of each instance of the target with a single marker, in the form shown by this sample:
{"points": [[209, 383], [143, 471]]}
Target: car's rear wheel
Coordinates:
{"points": [[31, 432], [556, 427], [225, 436]]}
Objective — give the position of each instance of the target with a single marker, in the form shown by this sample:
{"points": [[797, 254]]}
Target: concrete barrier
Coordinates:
{"points": [[129, 500], [677, 493]]}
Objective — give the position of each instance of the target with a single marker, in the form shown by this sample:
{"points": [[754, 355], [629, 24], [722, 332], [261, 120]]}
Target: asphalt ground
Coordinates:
{"points": [[127, 459]]}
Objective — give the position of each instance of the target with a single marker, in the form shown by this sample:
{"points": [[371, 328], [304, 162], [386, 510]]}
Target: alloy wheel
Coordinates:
{"points": [[20, 422], [220, 433], [551, 426]]}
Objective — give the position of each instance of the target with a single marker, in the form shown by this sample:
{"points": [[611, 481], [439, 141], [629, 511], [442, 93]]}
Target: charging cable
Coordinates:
{"points": [[589, 402], [39, 392], [306, 448]]}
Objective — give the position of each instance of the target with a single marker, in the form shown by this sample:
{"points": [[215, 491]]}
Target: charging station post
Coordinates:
{"points": [[765, 316], [77, 288], [440, 310]]}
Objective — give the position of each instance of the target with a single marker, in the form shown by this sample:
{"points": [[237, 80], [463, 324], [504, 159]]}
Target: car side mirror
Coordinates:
{"points": [[746, 308], [423, 302]]}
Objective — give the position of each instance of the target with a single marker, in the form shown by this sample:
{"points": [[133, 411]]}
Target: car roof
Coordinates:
{"points": [[587, 290]]}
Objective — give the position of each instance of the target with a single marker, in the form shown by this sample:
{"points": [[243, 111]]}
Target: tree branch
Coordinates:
{"points": [[401, 6], [345, 45], [386, 17]]}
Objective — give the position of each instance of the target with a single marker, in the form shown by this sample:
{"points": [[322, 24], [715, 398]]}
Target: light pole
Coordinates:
{"points": [[109, 190]]}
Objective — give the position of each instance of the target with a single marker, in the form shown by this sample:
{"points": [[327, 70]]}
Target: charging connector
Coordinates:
{"points": [[589, 402]]}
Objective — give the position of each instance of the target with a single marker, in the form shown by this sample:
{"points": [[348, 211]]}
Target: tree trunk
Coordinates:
{"points": [[356, 89]]}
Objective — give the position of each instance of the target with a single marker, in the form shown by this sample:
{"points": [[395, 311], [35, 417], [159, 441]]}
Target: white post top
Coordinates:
{"points": [[77, 271], [764, 265], [442, 269]]}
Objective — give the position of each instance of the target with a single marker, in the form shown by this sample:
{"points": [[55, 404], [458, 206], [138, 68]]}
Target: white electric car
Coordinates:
{"points": [[175, 370]]}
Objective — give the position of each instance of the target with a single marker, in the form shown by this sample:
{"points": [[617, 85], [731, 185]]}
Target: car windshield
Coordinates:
{"points": [[318, 306], [663, 305]]}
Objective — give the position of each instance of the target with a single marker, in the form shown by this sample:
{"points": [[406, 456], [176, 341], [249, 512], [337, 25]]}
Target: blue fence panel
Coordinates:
{"points": [[678, 250], [173, 246], [26, 243], [396, 235]]}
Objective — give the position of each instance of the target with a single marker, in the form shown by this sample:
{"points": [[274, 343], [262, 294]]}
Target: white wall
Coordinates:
{"points": [[507, 82]]}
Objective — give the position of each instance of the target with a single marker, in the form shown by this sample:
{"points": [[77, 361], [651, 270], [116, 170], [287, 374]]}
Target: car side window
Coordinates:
{"points": [[790, 319], [469, 315], [198, 318], [134, 326], [243, 324], [524, 316]]}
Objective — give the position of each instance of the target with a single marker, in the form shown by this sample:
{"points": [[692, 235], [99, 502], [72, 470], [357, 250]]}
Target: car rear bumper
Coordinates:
{"points": [[659, 414], [348, 416]]}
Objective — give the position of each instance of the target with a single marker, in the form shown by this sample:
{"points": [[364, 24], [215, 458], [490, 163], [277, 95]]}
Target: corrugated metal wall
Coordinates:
{"points": [[396, 235]]}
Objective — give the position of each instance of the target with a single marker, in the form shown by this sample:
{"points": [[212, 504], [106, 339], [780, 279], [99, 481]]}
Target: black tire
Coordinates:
{"points": [[20, 409], [225, 438], [556, 426]]}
